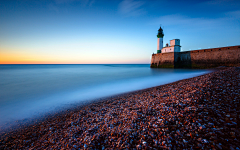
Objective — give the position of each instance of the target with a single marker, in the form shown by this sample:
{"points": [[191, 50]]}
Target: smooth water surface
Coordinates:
{"points": [[28, 91]]}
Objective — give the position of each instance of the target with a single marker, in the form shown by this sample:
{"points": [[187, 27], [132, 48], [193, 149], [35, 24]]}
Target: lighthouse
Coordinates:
{"points": [[160, 40]]}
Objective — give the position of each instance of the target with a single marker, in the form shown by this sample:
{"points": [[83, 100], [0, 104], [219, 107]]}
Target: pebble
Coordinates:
{"points": [[201, 112]]}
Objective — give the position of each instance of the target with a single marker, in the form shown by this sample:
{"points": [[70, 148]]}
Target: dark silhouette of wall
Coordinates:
{"points": [[182, 60]]}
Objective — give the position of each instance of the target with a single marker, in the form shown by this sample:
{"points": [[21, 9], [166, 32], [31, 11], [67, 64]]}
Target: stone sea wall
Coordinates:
{"points": [[205, 58], [162, 60]]}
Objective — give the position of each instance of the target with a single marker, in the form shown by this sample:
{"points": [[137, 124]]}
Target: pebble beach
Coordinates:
{"points": [[197, 113]]}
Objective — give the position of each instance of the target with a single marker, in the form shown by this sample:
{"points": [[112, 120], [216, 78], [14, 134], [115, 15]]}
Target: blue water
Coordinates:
{"points": [[28, 91]]}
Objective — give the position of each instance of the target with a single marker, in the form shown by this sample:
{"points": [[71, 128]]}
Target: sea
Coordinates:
{"points": [[31, 91]]}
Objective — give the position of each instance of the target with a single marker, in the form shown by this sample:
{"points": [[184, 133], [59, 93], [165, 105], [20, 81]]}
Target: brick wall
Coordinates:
{"points": [[225, 56]]}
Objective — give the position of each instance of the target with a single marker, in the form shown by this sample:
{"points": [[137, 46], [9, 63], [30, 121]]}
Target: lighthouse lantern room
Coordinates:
{"points": [[160, 40]]}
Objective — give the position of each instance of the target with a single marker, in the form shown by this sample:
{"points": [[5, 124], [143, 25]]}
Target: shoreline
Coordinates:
{"points": [[166, 116], [14, 125]]}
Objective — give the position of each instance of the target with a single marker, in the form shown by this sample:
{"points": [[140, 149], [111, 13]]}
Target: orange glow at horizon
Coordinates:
{"points": [[20, 58]]}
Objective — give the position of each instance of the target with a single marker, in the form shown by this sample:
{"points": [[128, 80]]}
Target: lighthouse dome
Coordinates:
{"points": [[160, 33]]}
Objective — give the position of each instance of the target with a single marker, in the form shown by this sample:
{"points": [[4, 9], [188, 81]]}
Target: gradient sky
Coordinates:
{"points": [[111, 31]]}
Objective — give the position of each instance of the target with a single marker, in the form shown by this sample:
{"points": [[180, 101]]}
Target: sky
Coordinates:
{"points": [[111, 31]]}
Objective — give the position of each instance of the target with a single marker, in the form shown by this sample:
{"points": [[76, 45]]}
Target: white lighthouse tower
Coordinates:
{"points": [[160, 40]]}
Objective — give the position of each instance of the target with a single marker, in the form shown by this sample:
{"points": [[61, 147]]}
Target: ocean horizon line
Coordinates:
{"points": [[82, 64]]}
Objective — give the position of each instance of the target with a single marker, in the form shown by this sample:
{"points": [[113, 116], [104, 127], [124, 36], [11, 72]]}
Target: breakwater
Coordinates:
{"points": [[204, 58]]}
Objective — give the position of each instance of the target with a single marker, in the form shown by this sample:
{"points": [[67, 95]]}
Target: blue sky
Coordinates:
{"points": [[111, 31]]}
